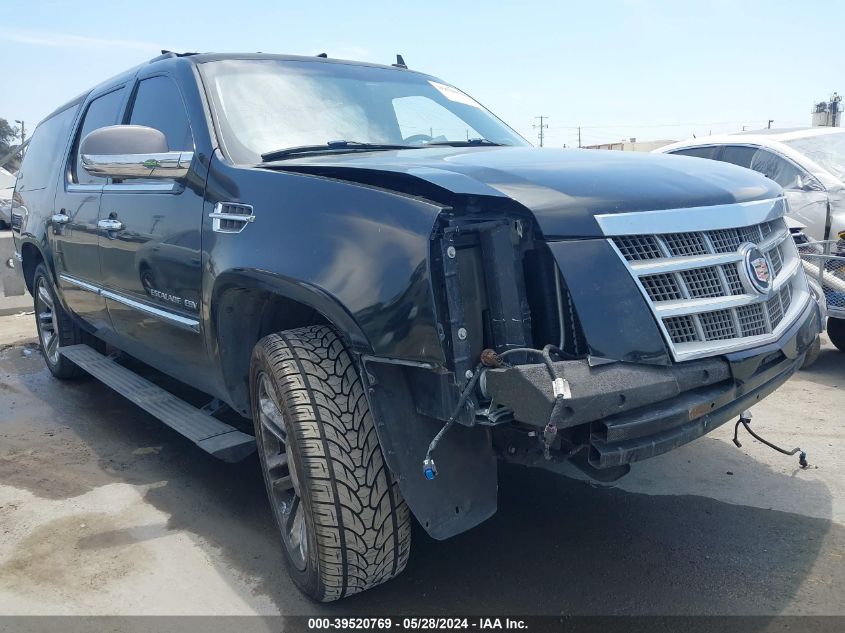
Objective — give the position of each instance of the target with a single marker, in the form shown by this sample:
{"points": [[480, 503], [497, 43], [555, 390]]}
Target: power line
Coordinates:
{"points": [[542, 127]]}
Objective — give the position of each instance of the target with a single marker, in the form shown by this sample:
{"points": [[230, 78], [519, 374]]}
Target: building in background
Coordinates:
{"points": [[828, 113], [631, 145]]}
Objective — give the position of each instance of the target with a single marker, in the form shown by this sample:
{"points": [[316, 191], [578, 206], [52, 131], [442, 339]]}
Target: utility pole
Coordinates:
{"points": [[769, 126], [23, 131], [542, 127], [579, 136]]}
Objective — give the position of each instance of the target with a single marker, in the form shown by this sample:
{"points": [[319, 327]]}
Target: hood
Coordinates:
{"points": [[564, 189]]}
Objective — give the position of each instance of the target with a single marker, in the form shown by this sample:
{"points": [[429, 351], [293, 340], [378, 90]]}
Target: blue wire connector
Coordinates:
{"points": [[429, 468]]}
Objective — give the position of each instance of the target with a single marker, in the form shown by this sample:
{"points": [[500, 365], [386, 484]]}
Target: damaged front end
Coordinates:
{"points": [[597, 351]]}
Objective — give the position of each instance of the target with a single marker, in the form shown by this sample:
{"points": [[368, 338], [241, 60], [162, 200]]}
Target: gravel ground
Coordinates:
{"points": [[103, 510]]}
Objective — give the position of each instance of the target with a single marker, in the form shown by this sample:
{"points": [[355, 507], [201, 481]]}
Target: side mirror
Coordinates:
{"points": [[132, 151]]}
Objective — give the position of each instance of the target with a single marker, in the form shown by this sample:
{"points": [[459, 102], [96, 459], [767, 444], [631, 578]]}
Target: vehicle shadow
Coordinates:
{"points": [[556, 545], [829, 368]]}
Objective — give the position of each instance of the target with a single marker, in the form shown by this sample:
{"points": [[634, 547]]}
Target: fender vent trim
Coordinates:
{"points": [[231, 217]]}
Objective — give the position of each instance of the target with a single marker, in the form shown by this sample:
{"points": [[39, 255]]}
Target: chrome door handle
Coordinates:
{"points": [[110, 225], [60, 218]]}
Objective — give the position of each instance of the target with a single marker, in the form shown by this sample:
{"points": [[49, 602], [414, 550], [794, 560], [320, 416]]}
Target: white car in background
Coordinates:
{"points": [[809, 163], [7, 186]]}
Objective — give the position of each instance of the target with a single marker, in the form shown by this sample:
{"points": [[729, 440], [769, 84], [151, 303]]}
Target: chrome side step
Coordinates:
{"points": [[210, 434]]}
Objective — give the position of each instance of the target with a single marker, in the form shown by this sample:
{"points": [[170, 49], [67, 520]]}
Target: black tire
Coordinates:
{"points": [[326, 478], [836, 332], [812, 353], [55, 327]]}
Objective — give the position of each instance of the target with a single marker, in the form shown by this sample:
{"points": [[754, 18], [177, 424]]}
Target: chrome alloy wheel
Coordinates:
{"points": [[280, 473], [47, 321]]}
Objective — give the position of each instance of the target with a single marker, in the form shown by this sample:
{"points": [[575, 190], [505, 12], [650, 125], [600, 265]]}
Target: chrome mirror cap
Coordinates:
{"points": [[132, 151], [173, 165]]}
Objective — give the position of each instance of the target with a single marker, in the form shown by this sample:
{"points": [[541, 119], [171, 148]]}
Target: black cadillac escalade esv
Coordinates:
{"points": [[396, 289]]}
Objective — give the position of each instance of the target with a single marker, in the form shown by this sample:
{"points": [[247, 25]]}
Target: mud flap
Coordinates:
{"points": [[465, 491]]}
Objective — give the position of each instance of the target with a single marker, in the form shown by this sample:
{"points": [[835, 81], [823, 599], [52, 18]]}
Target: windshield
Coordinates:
{"points": [[262, 106], [828, 150]]}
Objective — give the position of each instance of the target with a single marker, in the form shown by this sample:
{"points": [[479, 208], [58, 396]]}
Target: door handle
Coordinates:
{"points": [[110, 224], [60, 218]]}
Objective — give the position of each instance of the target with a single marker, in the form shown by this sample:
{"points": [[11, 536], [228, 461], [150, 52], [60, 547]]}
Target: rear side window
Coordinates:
{"points": [[102, 111], [159, 105], [43, 156], [698, 152], [740, 155]]}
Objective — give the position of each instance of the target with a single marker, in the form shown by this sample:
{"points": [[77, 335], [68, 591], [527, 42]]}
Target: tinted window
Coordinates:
{"points": [[45, 151], [699, 152], [777, 168], [101, 112], [738, 155], [159, 105]]}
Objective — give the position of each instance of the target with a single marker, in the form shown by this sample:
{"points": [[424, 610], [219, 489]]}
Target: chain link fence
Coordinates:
{"points": [[824, 263]]}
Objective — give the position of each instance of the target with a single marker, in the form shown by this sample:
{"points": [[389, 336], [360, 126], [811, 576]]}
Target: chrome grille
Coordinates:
{"points": [[661, 287], [681, 329], [637, 247], [699, 290], [702, 282], [680, 244]]}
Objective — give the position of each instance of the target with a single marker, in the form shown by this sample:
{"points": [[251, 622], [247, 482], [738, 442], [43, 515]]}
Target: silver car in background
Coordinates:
{"points": [[809, 163], [7, 186]]}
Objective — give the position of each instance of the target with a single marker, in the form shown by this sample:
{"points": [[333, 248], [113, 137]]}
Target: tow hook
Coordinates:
{"points": [[745, 420]]}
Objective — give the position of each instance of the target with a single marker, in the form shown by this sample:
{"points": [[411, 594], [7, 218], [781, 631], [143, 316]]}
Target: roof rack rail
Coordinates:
{"points": [[165, 54]]}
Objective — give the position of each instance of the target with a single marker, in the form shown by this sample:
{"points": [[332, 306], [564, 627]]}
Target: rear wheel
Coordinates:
{"points": [[343, 522], [836, 332], [55, 327]]}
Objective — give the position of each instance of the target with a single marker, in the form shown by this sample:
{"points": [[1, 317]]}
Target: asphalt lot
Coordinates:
{"points": [[103, 510]]}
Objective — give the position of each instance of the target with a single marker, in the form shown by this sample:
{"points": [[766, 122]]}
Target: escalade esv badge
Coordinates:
{"points": [[757, 268]]}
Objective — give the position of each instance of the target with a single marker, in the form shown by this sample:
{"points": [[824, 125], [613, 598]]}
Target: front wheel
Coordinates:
{"points": [[836, 332], [342, 520]]}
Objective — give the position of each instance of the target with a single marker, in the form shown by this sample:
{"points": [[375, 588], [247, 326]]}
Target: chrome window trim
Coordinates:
{"points": [[138, 187], [693, 219], [178, 320], [73, 187]]}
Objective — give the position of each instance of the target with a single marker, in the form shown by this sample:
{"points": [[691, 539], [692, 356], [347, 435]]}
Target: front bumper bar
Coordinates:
{"points": [[638, 411]]}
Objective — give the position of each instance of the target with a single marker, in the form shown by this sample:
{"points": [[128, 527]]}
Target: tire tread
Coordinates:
{"points": [[362, 524]]}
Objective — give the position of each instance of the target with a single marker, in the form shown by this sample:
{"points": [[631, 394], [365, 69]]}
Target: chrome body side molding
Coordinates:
{"points": [[178, 320]]}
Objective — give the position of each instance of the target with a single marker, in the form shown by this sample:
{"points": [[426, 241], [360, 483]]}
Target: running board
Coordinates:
{"points": [[210, 434]]}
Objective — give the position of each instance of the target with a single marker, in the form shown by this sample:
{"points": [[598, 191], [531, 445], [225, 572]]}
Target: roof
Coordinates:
{"points": [[168, 58], [201, 58], [759, 137]]}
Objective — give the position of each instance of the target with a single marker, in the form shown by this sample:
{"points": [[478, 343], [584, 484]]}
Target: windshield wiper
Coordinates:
{"points": [[330, 147], [473, 142]]}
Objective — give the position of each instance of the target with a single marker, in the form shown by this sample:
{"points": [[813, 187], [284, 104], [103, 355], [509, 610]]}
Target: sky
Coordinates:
{"points": [[648, 69]]}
